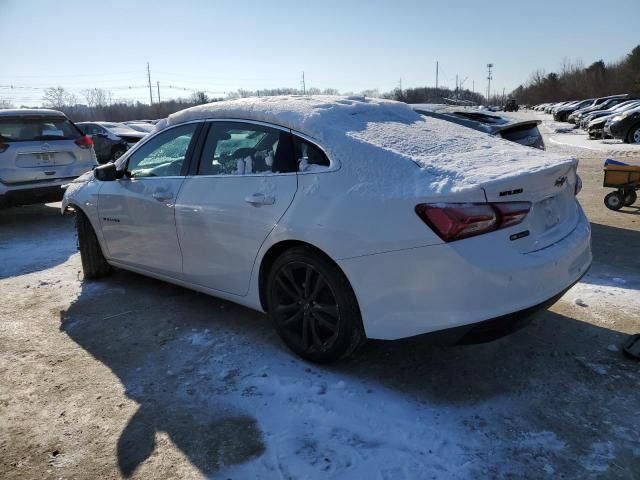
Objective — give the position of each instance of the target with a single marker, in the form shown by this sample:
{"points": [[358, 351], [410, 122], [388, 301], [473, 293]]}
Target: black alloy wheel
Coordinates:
{"points": [[313, 306]]}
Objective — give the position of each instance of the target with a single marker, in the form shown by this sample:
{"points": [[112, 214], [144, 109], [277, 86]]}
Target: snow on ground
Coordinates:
{"points": [[314, 422], [568, 135], [604, 294]]}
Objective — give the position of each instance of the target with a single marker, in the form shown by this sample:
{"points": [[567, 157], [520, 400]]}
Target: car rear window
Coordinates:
{"points": [[42, 128]]}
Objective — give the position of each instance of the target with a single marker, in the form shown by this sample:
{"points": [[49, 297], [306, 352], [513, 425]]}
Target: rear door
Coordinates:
{"points": [[243, 185], [41, 148], [137, 212]]}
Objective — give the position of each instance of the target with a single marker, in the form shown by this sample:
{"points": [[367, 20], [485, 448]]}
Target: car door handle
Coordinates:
{"points": [[260, 199], [162, 196]]}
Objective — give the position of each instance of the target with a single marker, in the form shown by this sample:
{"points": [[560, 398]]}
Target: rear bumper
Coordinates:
{"points": [[422, 290], [31, 193]]}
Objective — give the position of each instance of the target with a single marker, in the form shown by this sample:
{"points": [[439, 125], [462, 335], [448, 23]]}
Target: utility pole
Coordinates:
{"points": [[503, 95], [158, 85], [489, 78], [456, 86], [304, 85], [437, 77], [150, 91]]}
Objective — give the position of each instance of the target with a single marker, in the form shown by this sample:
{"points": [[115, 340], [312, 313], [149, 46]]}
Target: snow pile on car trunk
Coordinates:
{"points": [[386, 137]]}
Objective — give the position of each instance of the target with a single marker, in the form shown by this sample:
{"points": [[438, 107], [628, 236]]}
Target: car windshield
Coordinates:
{"points": [[24, 129]]}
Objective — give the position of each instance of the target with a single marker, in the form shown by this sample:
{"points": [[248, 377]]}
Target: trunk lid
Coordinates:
{"points": [[554, 210]]}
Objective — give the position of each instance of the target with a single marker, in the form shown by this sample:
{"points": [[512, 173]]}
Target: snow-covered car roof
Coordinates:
{"points": [[22, 112], [385, 136]]}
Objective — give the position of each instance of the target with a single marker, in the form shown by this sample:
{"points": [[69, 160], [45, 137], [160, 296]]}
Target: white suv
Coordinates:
{"points": [[40, 150]]}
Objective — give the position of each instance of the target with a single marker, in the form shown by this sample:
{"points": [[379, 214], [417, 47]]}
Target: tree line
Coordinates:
{"points": [[575, 81], [97, 104]]}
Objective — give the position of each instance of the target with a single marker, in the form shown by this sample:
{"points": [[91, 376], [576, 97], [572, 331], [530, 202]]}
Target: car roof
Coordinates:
{"points": [[379, 143], [27, 112]]}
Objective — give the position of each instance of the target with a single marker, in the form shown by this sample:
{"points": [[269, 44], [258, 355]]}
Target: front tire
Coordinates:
{"points": [[614, 201], [313, 306], [94, 264]]}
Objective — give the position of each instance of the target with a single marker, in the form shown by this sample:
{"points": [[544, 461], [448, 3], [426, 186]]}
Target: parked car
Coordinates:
{"points": [[595, 121], [110, 139], [511, 105], [40, 150], [524, 132], [587, 117], [345, 218], [576, 116], [140, 126], [561, 114], [554, 107], [625, 126]]}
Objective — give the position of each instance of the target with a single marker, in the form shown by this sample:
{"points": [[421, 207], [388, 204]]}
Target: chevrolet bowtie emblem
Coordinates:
{"points": [[560, 181]]}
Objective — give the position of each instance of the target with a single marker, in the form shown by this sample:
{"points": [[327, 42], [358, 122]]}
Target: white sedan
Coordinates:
{"points": [[343, 218]]}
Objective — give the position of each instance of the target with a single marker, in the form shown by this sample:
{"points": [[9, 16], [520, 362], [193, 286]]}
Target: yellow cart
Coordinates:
{"points": [[626, 180]]}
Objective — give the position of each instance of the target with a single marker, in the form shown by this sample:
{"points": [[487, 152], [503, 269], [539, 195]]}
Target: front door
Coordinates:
{"points": [[137, 212], [245, 182]]}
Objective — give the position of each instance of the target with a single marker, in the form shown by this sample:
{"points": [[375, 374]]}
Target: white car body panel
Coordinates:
{"points": [[137, 220], [220, 231], [415, 291], [406, 279]]}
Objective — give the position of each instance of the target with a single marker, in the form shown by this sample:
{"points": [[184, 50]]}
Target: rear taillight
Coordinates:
{"points": [[455, 221], [84, 142], [3, 147], [578, 187]]}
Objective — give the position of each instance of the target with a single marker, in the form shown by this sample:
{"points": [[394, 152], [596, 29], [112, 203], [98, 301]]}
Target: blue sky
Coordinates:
{"points": [[221, 46]]}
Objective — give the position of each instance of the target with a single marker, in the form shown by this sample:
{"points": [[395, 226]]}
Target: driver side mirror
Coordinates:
{"points": [[107, 172]]}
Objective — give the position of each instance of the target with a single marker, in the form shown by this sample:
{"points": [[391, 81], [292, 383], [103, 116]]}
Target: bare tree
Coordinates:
{"points": [[5, 104], [199, 98], [58, 98], [96, 97]]}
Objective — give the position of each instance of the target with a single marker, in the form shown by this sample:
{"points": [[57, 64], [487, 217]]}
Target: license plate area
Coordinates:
{"points": [[36, 159], [548, 213]]}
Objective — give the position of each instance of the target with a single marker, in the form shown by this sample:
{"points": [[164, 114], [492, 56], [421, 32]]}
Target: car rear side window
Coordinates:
{"points": [[25, 129], [309, 157], [237, 148]]}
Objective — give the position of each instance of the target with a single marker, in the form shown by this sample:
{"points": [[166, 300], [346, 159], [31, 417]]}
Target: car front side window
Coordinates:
{"points": [[164, 155]]}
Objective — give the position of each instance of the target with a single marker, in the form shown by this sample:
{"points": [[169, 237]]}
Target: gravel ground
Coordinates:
{"points": [[132, 377]]}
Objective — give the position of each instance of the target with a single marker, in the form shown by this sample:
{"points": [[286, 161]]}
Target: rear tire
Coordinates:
{"points": [[94, 264], [614, 201], [634, 134], [630, 198], [313, 306]]}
